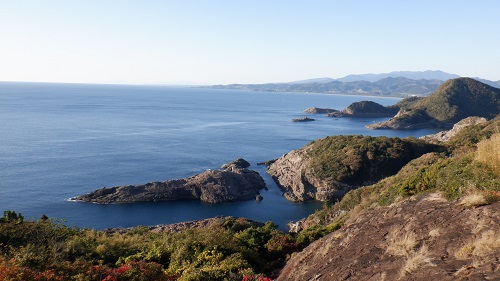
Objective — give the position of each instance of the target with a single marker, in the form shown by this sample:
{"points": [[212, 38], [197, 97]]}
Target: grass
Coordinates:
{"points": [[488, 153], [416, 260], [487, 243], [405, 245], [474, 200]]}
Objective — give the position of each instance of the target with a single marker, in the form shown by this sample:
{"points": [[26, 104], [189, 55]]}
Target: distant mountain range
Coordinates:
{"points": [[397, 84]]}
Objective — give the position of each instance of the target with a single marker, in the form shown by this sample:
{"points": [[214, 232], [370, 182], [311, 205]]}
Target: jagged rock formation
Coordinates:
{"points": [[421, 238], [444, 136], [328, 168], [214, 186], [454, 100], [292, 173]]}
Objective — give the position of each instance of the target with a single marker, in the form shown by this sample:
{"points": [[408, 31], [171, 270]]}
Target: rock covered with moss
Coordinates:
{"points": [[233, 183]]}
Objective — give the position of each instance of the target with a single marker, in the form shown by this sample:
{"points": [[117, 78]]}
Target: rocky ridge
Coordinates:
{"points": [[444, 136], [232, 183]]}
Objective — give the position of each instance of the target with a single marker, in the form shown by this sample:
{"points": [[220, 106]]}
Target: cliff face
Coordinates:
{"points": [[328, 168], [293, 174], [215, 186], [423, 238]]}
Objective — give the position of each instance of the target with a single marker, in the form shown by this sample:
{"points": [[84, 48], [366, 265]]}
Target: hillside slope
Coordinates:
{"points": [[436, 219], [454, 100], [424, 238]]}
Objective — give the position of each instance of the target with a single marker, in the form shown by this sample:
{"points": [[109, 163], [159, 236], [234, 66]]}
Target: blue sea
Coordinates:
{"points": [[62, 140]]}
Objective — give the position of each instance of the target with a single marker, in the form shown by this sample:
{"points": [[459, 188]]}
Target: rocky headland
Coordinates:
{"points": [[232, 183], [328, 168], [357, 109], [453, 101], [365, 109], [317, 110]]}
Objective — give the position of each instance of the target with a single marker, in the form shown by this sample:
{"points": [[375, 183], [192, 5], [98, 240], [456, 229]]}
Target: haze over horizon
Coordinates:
{"points": [[225, 42]]}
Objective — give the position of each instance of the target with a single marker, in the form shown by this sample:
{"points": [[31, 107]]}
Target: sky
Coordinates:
{"points": [[238, 41]]}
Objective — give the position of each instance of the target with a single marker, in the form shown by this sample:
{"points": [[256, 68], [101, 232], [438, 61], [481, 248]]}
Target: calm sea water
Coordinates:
{"points": [[62, 140]]}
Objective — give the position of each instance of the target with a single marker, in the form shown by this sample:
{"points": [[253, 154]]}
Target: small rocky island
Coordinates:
{"points": [[233, 182], [303, 119]]}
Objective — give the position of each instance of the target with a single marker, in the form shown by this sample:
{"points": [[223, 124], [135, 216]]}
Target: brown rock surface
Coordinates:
{"points": [[421, 238]]}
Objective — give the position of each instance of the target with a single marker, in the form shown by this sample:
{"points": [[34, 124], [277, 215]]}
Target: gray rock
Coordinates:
{"points": [[291, 174], [444, 136], [317, 110], [213, 186]]}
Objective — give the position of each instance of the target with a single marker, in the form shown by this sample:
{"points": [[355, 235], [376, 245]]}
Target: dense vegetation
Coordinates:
{"points": [[233, 249], [358, 160], [370, 107]]}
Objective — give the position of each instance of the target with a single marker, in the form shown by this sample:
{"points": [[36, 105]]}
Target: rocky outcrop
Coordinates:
{"points": [[238, 163], [326, 169], [422, 238], [233, 183], [317, 110], [444, 136], [407, 119], [293, 174], [367, 109], [303, 119]]}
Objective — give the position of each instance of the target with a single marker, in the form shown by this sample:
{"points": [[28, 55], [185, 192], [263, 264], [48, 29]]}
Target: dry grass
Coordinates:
{"points": [[405, 246], [434, 233], [474, 200], [401, 245], [486, 244], [488, 152], [416, 260]]}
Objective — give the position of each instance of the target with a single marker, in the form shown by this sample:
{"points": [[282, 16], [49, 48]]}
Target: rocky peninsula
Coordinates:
{"points": [[233, 182], [453, 101], [328, 168]]}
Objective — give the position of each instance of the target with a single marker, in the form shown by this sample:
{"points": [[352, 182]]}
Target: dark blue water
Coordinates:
{"points": [[62, 140]]}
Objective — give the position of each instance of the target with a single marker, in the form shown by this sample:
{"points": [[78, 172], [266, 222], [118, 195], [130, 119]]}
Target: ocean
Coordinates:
{"points": [[63, 140]]}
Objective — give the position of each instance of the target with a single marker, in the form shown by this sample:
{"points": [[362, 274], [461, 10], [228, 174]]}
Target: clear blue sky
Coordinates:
{"points": [[237, 41]]}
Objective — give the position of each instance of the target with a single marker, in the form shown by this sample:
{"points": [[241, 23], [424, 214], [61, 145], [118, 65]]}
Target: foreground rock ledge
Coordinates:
{"points": [[233, 183]]}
